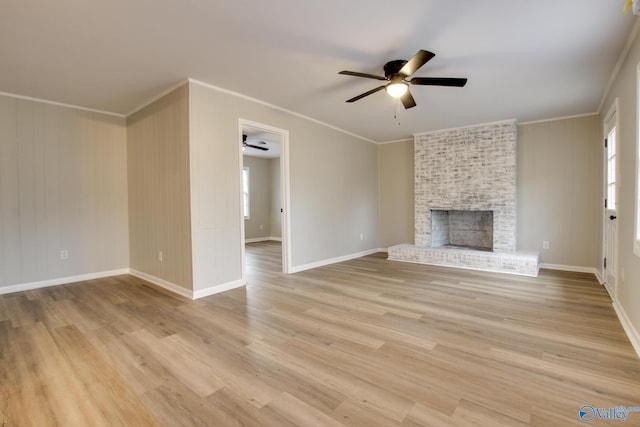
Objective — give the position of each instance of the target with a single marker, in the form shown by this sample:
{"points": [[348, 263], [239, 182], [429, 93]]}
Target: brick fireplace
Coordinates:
{"points": [[470, 172]]}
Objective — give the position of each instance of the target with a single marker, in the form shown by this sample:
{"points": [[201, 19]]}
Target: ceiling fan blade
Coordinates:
{"points": [[258, 147], [356, 74], [418, 60], [407, 100], [439, 81], [362, 95]]}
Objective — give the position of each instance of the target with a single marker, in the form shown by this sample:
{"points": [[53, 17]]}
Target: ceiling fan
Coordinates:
{"points": [[251, 144], [396, 73]]}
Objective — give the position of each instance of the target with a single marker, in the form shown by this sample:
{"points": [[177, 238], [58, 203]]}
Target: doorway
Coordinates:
{"points": [[611, 184], [264, 168]]}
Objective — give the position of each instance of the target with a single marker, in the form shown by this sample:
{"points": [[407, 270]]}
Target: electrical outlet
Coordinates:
{"points": [[261, 227], [545, 244], [361, 236], [64, 254], [160, 256]]}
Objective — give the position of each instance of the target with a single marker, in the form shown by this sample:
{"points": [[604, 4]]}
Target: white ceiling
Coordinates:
{"points": [[528, 60]]}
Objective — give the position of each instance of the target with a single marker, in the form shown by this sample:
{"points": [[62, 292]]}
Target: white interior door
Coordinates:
{"points": [[610, 211]]}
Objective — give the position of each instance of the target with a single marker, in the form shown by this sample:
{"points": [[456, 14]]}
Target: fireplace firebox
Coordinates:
{"points": [[462, 228]]}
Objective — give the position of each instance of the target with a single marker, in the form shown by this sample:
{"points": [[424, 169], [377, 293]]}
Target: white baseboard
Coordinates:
{"points": [[176, 289], [599, 276], [631, 332], [172, 287], [263, 239], [60, 281], [303, 267], [217, 289], [573, 268], [385, 250], [609, 290]]}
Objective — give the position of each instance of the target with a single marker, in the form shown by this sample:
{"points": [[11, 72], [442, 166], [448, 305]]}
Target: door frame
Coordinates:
{"points": [[611, 120], [284, 191]]}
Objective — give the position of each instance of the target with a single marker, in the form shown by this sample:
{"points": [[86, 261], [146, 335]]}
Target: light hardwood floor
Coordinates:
{"points": [[366, 342]]}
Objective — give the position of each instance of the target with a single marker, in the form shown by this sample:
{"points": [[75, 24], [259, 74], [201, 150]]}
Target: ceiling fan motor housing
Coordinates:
{"points": [[392, 69]]}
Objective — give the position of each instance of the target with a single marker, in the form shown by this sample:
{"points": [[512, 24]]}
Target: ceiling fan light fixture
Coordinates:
{"points": [[397, 89], [396, 74]]}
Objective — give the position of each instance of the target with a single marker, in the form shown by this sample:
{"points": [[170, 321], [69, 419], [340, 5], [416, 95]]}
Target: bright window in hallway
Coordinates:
{"points": [[611, 169], [636, 240], [245, 192]]}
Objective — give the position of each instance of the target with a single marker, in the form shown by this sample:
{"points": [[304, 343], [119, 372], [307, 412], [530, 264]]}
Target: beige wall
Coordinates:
{"points": [[259, 223], [330, 206], [625, 89], [396, 209], [159, 211], [559, 197], [559, 182], [276, 200], [63, 186], [215, 189], [334, 194]]}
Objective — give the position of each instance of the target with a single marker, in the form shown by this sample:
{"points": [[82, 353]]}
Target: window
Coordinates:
{"points": [[611, 183], [636, 240], [611, 169], [245, 192]]}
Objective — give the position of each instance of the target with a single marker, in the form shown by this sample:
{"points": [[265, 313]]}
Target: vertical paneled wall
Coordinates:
{"points": [[396, 188], [559, 190], [63, 192], [159, 210]]}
